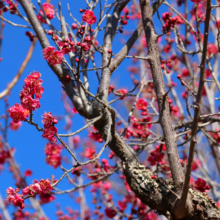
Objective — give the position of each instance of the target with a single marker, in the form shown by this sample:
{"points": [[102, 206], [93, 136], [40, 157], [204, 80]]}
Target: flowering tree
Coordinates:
{"points": [[149, 145]]}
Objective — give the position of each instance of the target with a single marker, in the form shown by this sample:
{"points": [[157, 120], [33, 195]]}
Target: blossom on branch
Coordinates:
{"points": [[53, 57], [49, 11], [89, 17], [18, 113]]}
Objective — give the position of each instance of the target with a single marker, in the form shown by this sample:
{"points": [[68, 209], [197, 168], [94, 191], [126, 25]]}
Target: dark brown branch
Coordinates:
{"points": [[129, 44], [165, 117], [197, 110]]}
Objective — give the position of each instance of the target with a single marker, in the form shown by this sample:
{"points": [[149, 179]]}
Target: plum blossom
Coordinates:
{"points": [[212, 50], [53, 57], [18, 113], [49, 134], [200, 185], [15, 198], [89, 17], [89, 152], [49, 11], [15, 126], [48, 120], [121, 92], [110, 212], [53, 156], [141, 104]]}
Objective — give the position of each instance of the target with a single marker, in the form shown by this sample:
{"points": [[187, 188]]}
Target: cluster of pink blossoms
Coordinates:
{"points": [[156, 156], [53, 152], [29, 96], [53, 56], [49, 129], [142, 105], [49, 11], [42, 187], [170, 22]]}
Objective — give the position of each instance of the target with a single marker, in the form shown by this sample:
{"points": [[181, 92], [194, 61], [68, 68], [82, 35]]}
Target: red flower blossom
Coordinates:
{"points": [[212, 49], [200, 185], [53, 152], [89, 152], [15, 126], [141, 104], [53, 57], [185, 72], [15, 198], [28, 172], [89, 17], [49, 134], [121, 92], [18, 113], [95, 136], [122, 205], [29, 103], [49, 11], [48, 120], [110, 213]]}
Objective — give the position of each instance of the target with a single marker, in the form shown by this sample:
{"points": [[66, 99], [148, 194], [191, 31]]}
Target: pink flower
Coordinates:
{"points": [[122, 205], [200, 185], [15, 126], [95, 136], [28, 172], [29, 103], [212, 49], [121, 92], [53, 152], [45, 185], [110, 213], [185, 72], [49, 134], [141, 104], [89, 17], [15, 198], [47, 52], [49, 11], [48, 120], [46, 198], [89, 152], [53, 57], [74, 110], [18, 113]]}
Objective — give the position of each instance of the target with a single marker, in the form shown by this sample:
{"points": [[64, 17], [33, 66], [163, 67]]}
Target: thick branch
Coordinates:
{"points": [[165, 117]]}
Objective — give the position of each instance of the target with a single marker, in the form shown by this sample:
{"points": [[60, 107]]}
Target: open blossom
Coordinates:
{"points": [[212, 50], [15, 198], [200, 185], [49, 134], [15, 126], [121, 92], [18, 113], [110, 213], [53, 57], [141, 104], [49, 11], [53, 152], [48, 120], [29, 103], [89, 17], [31, 92], [95, 136], [89, 152]]}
